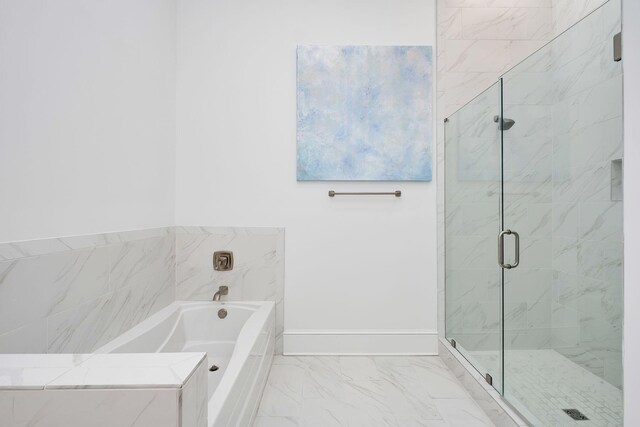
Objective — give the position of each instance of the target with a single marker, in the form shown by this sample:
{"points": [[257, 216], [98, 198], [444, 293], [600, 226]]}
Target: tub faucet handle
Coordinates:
{"points": [[223, 260]]}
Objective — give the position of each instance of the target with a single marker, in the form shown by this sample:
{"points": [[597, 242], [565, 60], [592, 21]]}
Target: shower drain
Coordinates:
{"points": [[213, 368], [575, 414]]}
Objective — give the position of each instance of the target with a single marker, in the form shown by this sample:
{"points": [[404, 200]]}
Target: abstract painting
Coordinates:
{"points": [[364, 113]]}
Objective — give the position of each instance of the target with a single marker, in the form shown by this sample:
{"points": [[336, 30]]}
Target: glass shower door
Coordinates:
{"points": [[562, 165], [472, 214]]}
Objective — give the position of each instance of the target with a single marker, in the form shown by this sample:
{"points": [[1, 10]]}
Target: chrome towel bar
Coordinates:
{"points": [[396, 193]]}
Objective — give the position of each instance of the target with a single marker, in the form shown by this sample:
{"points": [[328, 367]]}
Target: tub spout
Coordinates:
{"points": [[222, 290]]}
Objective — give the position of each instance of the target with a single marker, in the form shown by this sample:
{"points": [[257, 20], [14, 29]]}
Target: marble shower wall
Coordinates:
{"points": [[257, 275], [528, 98], [559, 170], [566, 13], [473, 221], [477, 41], [586, 311], [473, 173], [561, 166], [74, 294]]}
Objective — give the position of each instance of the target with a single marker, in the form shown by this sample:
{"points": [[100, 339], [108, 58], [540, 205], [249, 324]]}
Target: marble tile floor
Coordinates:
{"points": [[359, 391], [540, 383]]}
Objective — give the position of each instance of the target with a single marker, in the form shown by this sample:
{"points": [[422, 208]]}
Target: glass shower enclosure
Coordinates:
{"points": [[533, 229]]}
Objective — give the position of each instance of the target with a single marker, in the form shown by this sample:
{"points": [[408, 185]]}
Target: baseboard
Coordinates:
{"points": [[368, 342]]}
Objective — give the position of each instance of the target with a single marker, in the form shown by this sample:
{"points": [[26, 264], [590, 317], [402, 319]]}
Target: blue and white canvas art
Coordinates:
{"points": [[364, 113]]}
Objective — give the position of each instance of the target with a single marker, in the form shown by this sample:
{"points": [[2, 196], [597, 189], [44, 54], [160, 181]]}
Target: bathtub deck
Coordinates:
{"points": [[358, 391]]}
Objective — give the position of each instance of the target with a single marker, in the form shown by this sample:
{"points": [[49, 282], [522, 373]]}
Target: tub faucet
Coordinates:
{"points": [[222, 290]]}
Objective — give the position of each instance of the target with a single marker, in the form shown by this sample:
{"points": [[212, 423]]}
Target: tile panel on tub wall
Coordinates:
{"points": [[257, 275], [80, 298], [194, 398], [87, 327], [28, 248], [30, 338], [254, 273], [36, 287], [142, 262], [97, 408]]}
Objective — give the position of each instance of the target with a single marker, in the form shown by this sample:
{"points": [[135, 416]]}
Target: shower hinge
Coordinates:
{"points": [[453, 343], [488, 378], [617, 47]]}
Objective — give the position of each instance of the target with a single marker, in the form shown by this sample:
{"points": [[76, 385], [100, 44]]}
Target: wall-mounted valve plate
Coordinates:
{"points": [[223, 260]]}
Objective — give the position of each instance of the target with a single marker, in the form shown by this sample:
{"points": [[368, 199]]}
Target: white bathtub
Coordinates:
{"points": [[241, 345]]}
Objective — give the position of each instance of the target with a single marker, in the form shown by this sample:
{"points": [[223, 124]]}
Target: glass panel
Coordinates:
{"points": [[562, 176], [472, 211]]}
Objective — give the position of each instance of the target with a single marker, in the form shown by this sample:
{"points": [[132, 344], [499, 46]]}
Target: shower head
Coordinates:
{"points": [[506, 123]]}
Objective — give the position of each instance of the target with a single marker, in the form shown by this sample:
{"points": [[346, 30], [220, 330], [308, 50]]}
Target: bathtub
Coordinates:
{"points": [[241, 345]]}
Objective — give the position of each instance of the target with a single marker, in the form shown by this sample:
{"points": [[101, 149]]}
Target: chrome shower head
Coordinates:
{"points": [[506, 123]]}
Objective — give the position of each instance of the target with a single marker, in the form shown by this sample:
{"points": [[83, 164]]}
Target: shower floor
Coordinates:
{"points": [[541, 383]]}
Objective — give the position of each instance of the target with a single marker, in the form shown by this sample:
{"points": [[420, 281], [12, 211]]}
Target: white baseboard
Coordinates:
{"points": [[369, 342]]}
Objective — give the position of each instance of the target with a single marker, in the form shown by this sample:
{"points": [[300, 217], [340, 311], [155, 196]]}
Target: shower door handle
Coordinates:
{"points": [[501, 249]]}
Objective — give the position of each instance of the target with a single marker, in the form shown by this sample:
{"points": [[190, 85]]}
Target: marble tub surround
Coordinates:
{"points": [[35, 371], [133, 370], [171, 350], [85, 371], [193, 400], [73, 294], [365, 391], [96, 408], [257, 275], [35, 247], [159, 389]]}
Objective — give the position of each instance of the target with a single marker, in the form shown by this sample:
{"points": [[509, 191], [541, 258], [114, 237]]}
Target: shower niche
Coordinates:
{"points": [[533, 229]]}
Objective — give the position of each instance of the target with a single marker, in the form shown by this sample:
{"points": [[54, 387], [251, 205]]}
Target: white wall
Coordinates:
{"points": [[86, 116], [631, 344], [351, 264]]}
